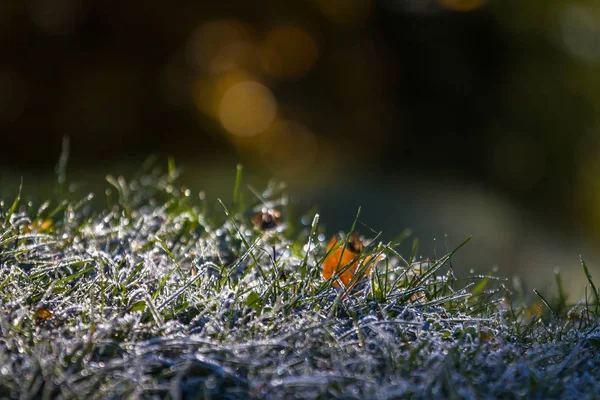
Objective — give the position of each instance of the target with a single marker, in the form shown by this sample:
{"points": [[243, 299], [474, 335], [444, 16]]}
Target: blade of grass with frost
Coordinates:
{"points": [[138, 267], [18, 237], [324, 257], [587, 306], [415, 248], [402, 274], [313, 231], [363, 266], [440, 263], [155, 314], [346, 289], [4, 240], [242, 238], [14, 205], [60, 207], [347, 238], [236, 207], [462, 294], [115, 183], [276, 272], [487, 304], [562, 300], [356, 324], [179, 292], [480, 286], [121, 186], [74, 276], [378, 278], [589, 278], [164, 247], [25, 249], [398, 239], [404, 296], [373, 241], [162, 284], [82, 202], [5, 282], [259, 196], [230, 269]]}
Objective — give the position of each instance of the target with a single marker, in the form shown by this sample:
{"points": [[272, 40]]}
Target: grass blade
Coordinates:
{"points": [[14, 205], [590, 280]]}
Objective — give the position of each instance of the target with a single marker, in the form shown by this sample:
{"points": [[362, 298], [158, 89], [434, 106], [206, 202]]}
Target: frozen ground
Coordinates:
{"points": [[159, 295]]}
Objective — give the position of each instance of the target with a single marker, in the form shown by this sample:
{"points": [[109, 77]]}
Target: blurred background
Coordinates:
{"points": [[451, 117]]}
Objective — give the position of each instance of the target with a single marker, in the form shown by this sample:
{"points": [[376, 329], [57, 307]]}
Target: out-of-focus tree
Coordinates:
{"points": [[505, 92]]}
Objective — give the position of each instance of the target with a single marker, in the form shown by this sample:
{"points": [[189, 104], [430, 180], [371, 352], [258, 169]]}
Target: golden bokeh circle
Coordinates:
{"points": [[247, 109], [290, 52]]}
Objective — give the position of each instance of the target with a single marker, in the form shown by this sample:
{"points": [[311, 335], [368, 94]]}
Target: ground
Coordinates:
{"points": [[157, 294]]}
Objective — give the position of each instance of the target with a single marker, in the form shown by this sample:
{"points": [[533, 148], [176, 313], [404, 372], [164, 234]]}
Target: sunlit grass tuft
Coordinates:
{"points": [[156, 295]]}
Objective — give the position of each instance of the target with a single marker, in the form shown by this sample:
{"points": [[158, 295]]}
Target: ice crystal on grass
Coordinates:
{"points": [[154, 296]]}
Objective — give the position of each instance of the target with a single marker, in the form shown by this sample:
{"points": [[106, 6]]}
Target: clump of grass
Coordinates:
{"points": [[158, 295]]}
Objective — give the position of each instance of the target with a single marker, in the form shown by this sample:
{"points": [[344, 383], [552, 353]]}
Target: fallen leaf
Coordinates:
{"points": [[340, 258]]}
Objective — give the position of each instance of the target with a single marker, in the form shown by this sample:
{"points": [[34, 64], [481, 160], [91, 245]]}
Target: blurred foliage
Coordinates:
{"points": [[503, 92]]}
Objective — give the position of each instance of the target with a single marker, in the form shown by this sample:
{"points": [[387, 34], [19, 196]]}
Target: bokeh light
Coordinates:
{"points": [[209, 40], [241, 54], [209, 91], [290, 52], [247, 109], [501, 96], [580, 29]]}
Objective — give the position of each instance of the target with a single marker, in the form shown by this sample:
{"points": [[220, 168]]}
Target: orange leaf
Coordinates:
{"points": [[339, 259]]}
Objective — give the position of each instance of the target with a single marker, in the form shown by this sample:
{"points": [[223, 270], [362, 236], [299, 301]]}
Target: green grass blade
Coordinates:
{"points": [[439, 264], [236, 207], [546, 303], [591, 281], [14, 205], [164, 247], [313, 231]]}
